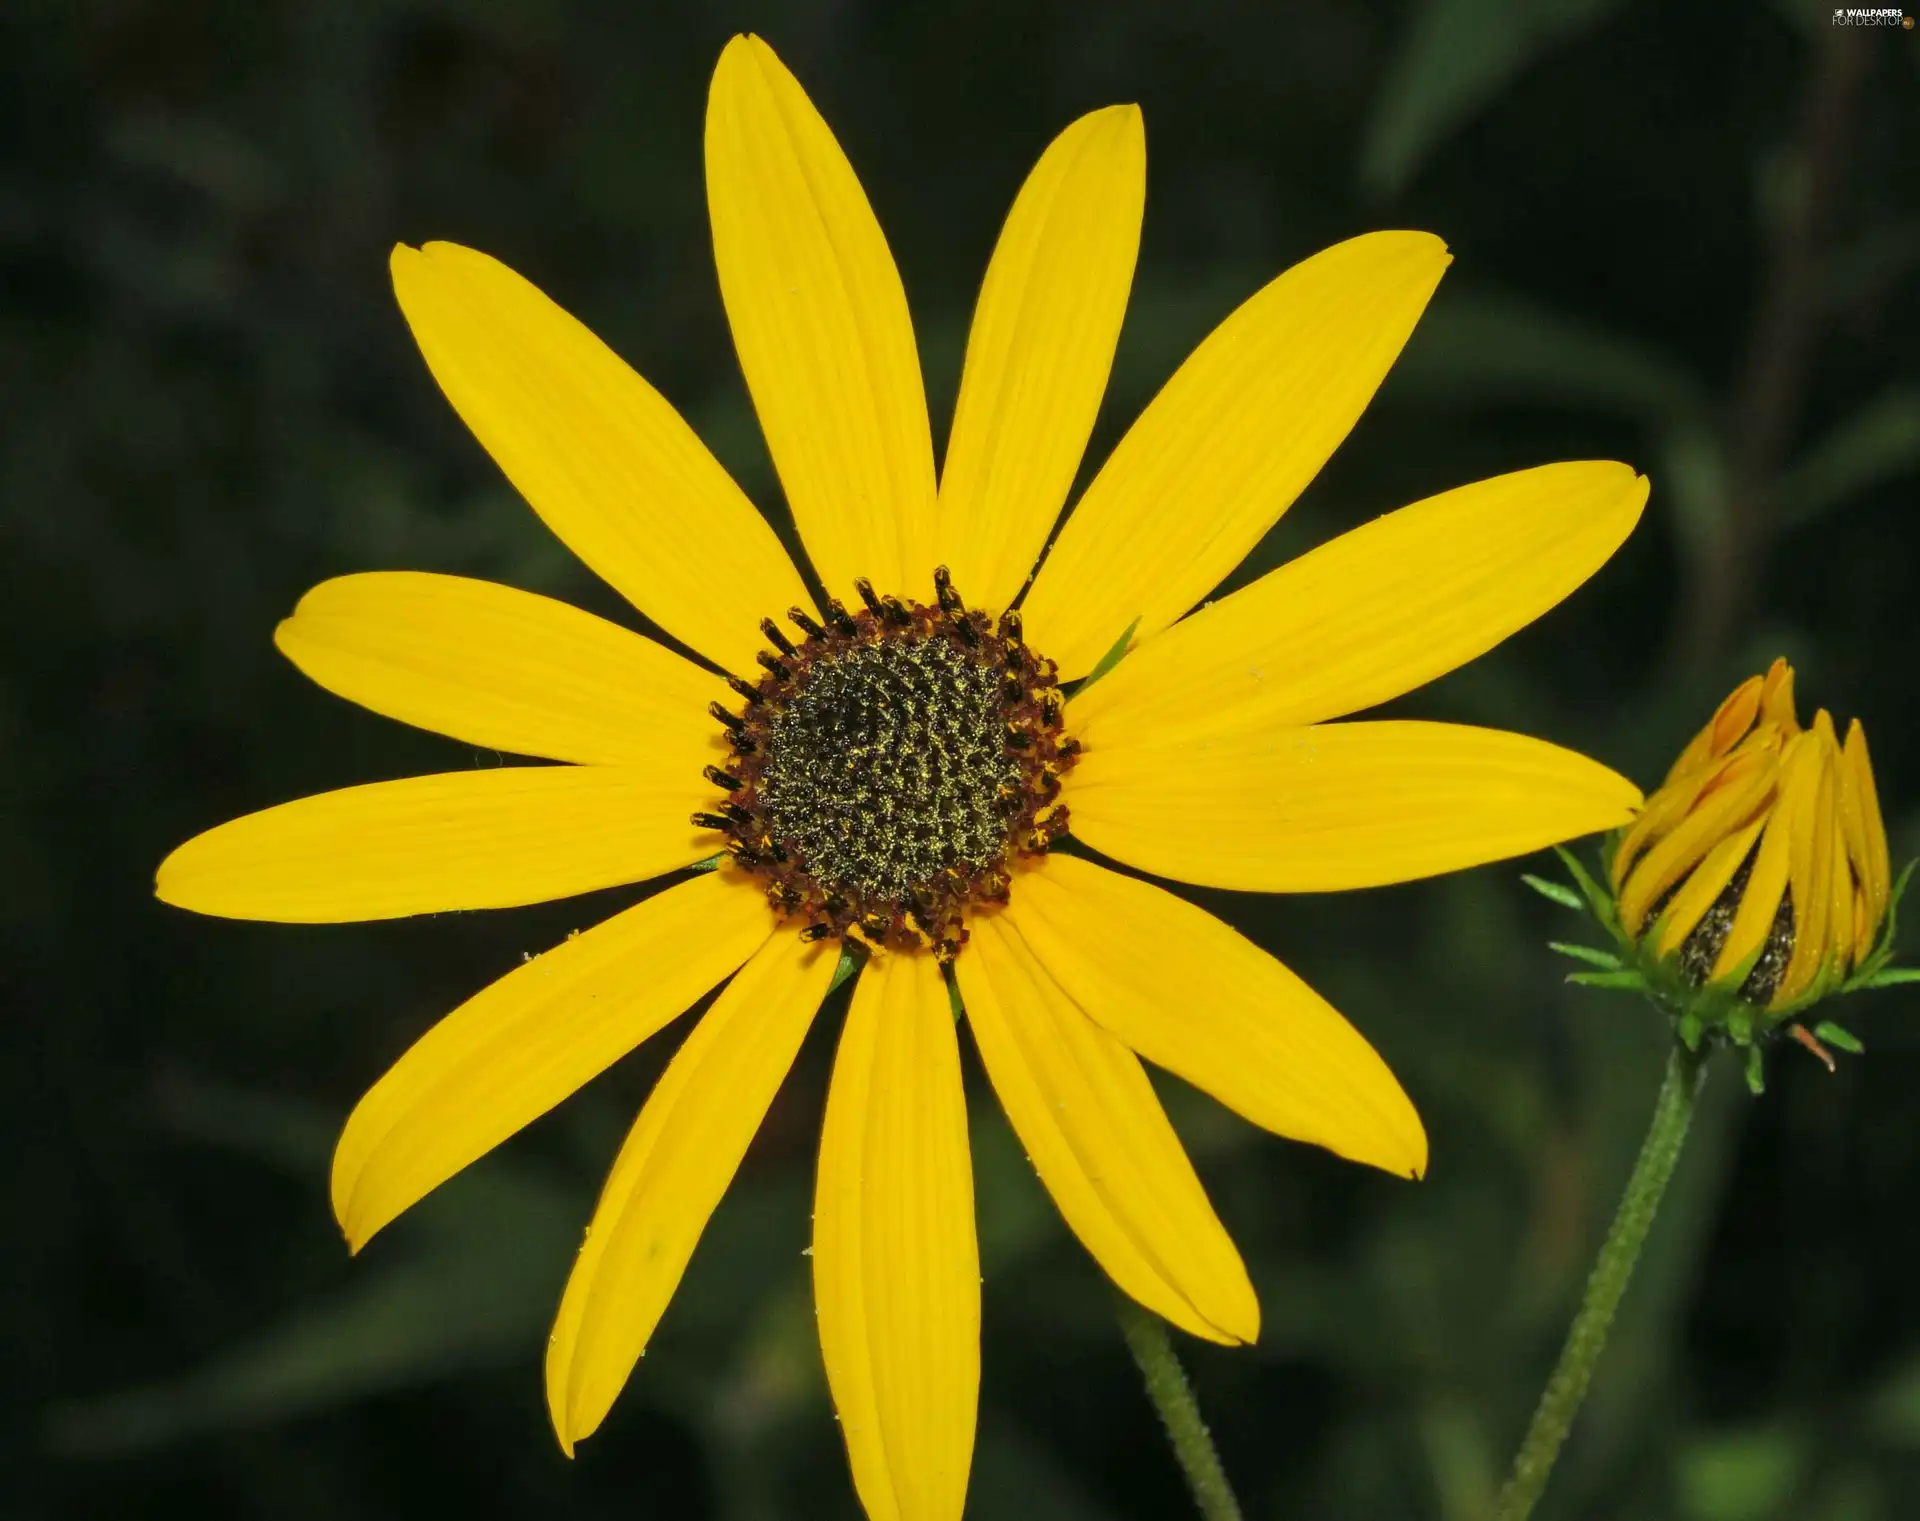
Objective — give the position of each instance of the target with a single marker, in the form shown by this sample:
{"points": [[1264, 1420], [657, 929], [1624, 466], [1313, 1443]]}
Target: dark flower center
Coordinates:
{"points": [[1701, 949], [890, 766]]}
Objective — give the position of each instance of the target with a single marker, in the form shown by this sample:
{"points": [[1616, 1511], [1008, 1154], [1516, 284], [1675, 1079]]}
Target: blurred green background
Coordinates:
{"points": [[1686, 235]]}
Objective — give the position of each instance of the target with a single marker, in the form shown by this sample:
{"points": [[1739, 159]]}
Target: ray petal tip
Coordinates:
{"points": [[404, 262]]}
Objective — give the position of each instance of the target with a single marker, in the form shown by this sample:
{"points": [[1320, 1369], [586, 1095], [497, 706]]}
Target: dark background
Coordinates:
{"points": [[1686, 235]]}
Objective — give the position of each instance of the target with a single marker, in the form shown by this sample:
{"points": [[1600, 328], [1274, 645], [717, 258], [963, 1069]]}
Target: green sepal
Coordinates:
{"points": [[1553, 892], [849, 964], [1756, 1071], [1867, 974], [1691, 1029], [712, 863], [1587, 953], [1839, 1037], [1109, 660], [1626, 977], [953, 997], [1893, 976], [1598, 901]]}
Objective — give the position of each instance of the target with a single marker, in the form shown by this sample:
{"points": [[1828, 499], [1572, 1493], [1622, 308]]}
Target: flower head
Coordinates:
{"points": [[875, 786], [1759, 869]]}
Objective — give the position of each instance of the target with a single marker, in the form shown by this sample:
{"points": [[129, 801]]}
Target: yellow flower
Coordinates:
{"points": [[1760, 867], [894, 776]]}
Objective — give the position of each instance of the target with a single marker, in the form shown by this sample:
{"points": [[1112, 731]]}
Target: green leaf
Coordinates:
{"points": [[1587, 954], [1839, 1037], [1456, 56], [1878, 443], [1627, 978], [1109, 660], [1554, 892], [1756, 1071]]}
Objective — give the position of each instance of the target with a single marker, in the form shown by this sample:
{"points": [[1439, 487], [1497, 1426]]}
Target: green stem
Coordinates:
{"points": [[1167, 1387], [1612, 1271]]}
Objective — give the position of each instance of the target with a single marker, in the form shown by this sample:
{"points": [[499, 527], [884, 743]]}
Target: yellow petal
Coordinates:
{"points": [[820, 322], [515, 1049], [1663, 811], [1336, 806], [597, 452], [1094, 1129], [1740, 793], [429, 844], [1841, 927], [1670, 805], [503, 668], [1703, 888], [1797, 780], [1867, 833], [1729, 725], [1376, 612], [1194, 996], [677, 1161], [1228, 444], [1865, 928], [1776, 698], [1039, 353], [1815, 842], [896, 1268]]}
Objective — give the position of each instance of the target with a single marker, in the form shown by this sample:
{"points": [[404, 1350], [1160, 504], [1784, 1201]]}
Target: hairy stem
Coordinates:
{"points": [[1612, 1271], [1172, 1397]]}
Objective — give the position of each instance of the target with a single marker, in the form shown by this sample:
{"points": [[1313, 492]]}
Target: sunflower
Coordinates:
{"points": [[876, 783]]}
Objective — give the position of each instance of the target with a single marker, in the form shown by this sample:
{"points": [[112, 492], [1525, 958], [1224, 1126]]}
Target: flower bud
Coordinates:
{"points": [[1760, 866]]}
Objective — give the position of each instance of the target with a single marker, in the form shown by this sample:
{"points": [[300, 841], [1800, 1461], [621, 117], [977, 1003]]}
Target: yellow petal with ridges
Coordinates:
{"points": [[820, 323], [1815, 842], [432, 844], [1840, 896], [896, 1267], [1729, 725], [1767, 885], [1740, 792], [677, 1161], [1195, 996], [1776, 698], [1229, 442], [1702, 888], [1096, 1133], [1376, 612], [1039, 353], [1666, 808], [1861, 802], [1337, 806], [504, 669], [515, 1049], [610, 467]]}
